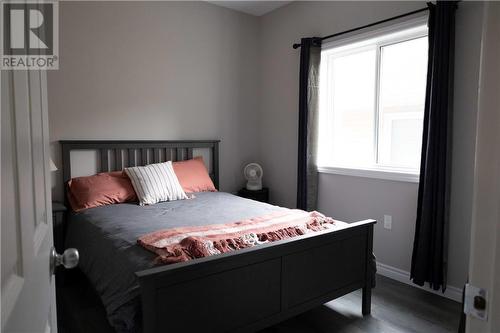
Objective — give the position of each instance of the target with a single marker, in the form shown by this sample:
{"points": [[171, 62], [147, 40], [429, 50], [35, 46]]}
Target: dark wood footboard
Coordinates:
{"points": [[254, 288]]}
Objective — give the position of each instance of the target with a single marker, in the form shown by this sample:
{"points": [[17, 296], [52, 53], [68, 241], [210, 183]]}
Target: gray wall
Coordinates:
{"points": [[353, 198], [467, 60], [350, 198], [157, 70]]}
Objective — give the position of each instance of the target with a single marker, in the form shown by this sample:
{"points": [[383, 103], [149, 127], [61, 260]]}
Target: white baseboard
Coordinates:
{"points": [[400, 275]]}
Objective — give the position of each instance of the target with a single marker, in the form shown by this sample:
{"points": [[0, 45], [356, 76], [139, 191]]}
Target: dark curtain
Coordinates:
{"points": [[430, 248], [307, 175]]}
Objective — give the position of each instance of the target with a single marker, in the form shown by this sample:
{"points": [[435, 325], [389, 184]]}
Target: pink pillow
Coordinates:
{"points": [[99, 190], [193, 176]]}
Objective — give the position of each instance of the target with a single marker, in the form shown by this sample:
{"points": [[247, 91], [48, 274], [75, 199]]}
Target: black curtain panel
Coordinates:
{"points": [[307, 175], [430, 248]]}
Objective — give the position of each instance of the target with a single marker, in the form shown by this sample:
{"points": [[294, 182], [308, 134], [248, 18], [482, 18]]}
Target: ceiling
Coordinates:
{"points": [[256, 8]]}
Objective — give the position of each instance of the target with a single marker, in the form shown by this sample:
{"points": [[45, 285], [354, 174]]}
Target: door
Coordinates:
{"points": [[484, 265], [27, 285]]}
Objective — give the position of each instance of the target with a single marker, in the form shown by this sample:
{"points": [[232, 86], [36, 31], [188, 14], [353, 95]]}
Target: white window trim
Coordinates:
{"points": [[376, 171], [373, 34]]}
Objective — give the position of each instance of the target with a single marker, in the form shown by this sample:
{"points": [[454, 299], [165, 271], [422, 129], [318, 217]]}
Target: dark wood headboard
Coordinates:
{"points": [[115, 155]]}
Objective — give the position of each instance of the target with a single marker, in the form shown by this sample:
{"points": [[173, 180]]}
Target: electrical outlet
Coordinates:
{"points": [[388, 222]]}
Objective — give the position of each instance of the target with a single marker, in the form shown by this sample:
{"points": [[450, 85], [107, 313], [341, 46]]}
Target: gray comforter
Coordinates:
{"points": [[109, 255]]}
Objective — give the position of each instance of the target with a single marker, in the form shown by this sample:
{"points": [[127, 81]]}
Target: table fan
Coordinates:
{"points": [[253, 174]]}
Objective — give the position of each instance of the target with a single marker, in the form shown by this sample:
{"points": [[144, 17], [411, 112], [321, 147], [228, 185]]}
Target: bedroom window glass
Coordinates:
{"points": [[372, 95]]}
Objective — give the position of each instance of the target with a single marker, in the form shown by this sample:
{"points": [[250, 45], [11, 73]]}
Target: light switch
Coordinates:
{"points": [[476, 302]]}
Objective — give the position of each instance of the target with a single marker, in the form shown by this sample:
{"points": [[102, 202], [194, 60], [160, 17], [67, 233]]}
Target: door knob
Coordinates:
{"points": [[69, 259]]}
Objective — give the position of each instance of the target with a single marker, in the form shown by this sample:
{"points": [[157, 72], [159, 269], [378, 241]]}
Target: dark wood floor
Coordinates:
{"points": [[396, 308]]}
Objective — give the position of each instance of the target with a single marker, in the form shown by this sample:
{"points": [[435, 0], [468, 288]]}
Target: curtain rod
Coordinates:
{"points": [[295, 46]]}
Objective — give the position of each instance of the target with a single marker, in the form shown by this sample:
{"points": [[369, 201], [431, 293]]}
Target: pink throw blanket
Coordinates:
{"points": [[182, 244]]}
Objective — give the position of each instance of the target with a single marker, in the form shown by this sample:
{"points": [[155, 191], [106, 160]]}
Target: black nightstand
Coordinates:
{"points": [[59, 225], [259, 195]]}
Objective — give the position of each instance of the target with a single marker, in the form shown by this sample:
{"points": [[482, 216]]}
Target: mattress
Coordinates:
{"points": [[106, 238]]}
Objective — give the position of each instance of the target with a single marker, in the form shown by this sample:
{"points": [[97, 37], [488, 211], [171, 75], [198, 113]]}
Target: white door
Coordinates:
{"points": [[484, 266], [28, 293]]}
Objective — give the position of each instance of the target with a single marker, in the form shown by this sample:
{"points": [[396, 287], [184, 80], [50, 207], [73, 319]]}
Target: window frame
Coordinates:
{"points": [[366, 41]]}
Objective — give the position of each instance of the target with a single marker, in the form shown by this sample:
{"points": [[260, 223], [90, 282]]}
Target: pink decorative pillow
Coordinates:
{"points": [[99, 190], [193, 176]]}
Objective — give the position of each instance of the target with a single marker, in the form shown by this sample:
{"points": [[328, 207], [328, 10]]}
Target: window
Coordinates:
{"points": [[372, 95]]}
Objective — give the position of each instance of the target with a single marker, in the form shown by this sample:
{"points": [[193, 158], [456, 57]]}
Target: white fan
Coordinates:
{"points": [[253, 174]]}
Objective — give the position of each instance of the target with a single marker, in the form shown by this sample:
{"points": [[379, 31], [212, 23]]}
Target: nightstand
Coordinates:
{"points": [[259, 195], [59, 225]]}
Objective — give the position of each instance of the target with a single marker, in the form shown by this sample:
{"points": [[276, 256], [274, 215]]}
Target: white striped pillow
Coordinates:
{"points": [[155, 183]]}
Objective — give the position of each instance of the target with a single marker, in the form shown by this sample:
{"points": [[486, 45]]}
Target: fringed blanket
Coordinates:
{"points": [[182, 244]]}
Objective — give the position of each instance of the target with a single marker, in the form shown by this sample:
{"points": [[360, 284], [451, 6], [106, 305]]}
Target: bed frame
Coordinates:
{"points": [[249, 289]]}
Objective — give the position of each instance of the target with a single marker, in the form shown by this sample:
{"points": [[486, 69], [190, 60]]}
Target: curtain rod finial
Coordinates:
{"points": [[296, 46]]}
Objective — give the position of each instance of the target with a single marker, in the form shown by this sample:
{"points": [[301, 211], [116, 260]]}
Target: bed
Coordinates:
{"points": [[244, 290]]}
